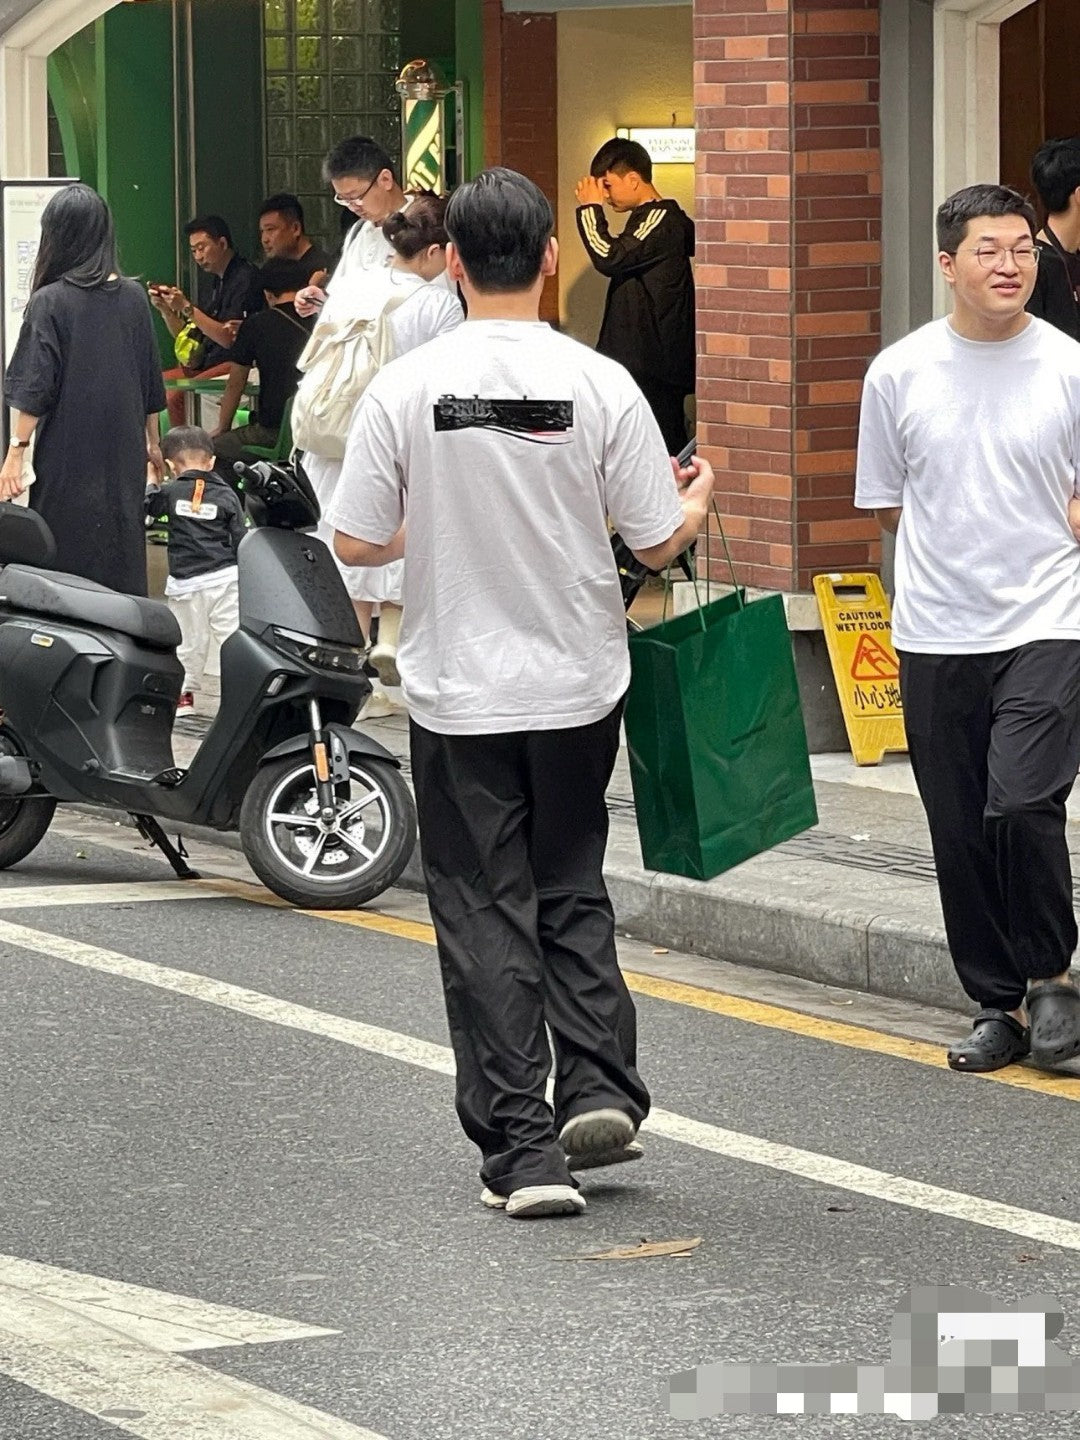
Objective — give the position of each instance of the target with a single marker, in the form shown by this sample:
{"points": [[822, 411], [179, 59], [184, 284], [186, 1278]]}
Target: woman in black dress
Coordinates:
{"points": [[85, 382]]}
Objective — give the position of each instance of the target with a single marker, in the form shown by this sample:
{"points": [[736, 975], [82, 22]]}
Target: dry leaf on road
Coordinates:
{"points": [[647, 1250]]}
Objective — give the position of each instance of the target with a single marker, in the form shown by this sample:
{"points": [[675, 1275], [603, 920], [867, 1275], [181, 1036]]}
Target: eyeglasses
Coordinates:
{"points": [[349, 200], [1025, 257]]}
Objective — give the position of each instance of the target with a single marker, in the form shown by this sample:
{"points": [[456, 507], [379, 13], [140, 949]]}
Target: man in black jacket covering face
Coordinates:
{"points": [[649, 323]]}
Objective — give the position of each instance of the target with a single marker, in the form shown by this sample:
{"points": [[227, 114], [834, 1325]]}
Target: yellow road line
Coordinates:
{"points": [[733, 1007]]}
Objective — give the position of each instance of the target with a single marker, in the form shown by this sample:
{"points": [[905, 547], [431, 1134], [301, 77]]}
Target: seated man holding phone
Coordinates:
{"points": [[235, 293]]}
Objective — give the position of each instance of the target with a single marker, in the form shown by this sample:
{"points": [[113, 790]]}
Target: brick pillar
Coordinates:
{"points": [[788, 212], [521, 127]]}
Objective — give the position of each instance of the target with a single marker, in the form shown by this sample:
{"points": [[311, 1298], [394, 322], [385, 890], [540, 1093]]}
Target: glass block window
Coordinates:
{"points": [[330, 67]]}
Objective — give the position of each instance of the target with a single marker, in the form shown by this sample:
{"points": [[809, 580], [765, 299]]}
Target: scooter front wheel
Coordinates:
{"points": [[328, 867]]}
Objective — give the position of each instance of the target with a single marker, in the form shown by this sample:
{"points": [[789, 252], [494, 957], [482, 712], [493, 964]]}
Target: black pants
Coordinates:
{"points": [[995, 746], [513, 829], [668, 404]]}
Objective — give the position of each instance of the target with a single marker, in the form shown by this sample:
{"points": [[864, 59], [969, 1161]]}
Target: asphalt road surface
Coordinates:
{"points": [[246, 1113]]}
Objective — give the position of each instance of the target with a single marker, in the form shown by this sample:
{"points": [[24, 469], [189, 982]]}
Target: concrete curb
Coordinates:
{"points": [[733, 920], [848, 948]]}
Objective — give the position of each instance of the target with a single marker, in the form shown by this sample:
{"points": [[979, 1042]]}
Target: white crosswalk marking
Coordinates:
{"points": [[749, 1149], [104, 1348], [33, 897]]}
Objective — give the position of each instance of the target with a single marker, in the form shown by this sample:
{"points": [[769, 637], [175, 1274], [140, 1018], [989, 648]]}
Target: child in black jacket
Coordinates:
{"points": [[205, 522]]}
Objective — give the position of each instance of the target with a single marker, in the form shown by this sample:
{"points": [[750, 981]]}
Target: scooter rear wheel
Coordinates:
{"points": [[23, 824], [23, 821], [320, 868]]}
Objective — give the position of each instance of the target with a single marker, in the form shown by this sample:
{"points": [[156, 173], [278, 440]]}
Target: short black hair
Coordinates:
{"points": [[213, 225], [500, 224], [1055, 172], [621, 156], [186, 440], [975, 200], [283, 277], [359, 155], [283, 204]]}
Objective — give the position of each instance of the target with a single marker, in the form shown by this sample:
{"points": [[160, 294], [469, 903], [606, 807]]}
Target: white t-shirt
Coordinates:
{"points": [[429, 311], [365, 248], [979, 442], [513, 614]]}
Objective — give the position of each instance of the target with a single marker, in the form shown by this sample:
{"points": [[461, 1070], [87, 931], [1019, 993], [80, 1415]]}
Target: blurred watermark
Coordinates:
{"points": [[954, 1351]]}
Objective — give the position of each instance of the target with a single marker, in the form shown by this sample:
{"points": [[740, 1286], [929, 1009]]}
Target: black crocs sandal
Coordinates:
{"points": [[996, 1040], [1054, 1011]]}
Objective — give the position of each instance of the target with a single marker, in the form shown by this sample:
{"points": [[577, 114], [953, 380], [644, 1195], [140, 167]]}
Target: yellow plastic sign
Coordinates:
{"points": [[858, 631]]}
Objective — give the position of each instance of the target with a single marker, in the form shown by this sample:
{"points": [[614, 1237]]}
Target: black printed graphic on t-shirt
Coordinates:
{"points": [[529, 420]]}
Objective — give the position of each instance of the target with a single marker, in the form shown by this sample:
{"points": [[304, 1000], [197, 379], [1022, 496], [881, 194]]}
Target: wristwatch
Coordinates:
{"points": [[15, 444]]}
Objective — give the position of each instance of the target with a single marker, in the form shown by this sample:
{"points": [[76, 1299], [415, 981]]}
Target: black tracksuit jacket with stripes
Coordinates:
{"points": [[649, 323]]}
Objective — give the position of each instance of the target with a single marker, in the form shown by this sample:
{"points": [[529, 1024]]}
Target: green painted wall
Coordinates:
{"points": [[469, 42], [135, 155], [451, 33], [73, 91], [229, 145], [112, 89]]}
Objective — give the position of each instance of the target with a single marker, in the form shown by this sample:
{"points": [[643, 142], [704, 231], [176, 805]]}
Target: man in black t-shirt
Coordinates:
{"points": [[284, 237], [228, 292], [649, 322], [271, 340], [1055, 173]]}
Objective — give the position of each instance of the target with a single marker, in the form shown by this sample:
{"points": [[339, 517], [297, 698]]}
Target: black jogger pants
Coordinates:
{"points": [[994, 741], [513, 829]]}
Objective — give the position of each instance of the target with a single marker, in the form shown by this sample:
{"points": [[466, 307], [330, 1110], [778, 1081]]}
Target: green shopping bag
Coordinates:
{"points": [[716, 736]]}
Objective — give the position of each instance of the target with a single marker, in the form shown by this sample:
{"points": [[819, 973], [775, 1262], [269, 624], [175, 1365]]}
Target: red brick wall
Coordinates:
{"points": [[788, 214], [837, 272], [521, 105]]}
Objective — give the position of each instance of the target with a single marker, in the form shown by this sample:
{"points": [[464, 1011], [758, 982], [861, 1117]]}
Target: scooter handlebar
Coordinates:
{"points": [[246, 473]]}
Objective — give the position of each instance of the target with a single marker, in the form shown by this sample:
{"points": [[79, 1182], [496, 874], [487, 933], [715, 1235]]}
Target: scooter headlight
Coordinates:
{"points": [[322, 654]]}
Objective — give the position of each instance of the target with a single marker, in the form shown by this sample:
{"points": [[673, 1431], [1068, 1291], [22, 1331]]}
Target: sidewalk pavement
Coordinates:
{"points": [[852, 902]]}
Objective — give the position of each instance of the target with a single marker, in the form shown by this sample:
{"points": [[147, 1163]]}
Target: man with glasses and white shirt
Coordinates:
{"points": [[364, 182], [969, 450]]}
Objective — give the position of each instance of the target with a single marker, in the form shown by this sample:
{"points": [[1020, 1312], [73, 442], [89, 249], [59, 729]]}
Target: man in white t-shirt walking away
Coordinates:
{"points": [[514, 445], [969, 449]]}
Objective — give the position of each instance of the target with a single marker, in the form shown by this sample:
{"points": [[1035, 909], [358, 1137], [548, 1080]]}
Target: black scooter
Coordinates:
{"points": [[89, 682]]}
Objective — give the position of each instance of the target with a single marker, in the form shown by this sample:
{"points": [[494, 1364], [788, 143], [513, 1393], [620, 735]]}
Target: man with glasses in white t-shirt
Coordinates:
{"points": [[365, 182], [969, 450], [514, 445]]}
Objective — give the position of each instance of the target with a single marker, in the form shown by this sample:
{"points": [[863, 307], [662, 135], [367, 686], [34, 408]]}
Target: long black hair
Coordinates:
{"points": [[78, 240]]}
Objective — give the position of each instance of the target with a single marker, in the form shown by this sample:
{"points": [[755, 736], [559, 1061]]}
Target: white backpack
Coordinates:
{"points": [[350, 343]]}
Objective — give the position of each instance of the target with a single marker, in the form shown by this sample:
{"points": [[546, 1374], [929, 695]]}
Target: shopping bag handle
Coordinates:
{"points": [[727, 553], [736, 588]]}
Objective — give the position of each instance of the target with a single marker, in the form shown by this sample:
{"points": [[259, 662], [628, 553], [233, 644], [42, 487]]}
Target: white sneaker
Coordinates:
{"points": [[384, 658], [378, 706], [491, 1200], [533, 1201], [599, 1137], [596, 1159]]}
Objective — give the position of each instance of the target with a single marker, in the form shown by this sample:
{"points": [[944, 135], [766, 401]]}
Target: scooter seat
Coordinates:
{"points": [[70, 597]]}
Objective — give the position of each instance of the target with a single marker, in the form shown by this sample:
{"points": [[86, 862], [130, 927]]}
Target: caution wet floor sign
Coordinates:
{"points": [[858, 631]]}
